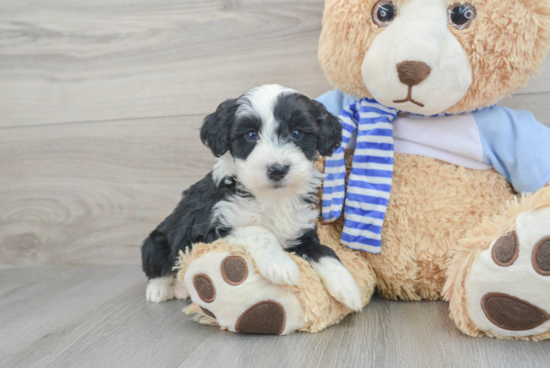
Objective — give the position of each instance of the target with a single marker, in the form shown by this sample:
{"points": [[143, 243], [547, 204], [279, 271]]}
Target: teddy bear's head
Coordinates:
{"points": [[433, 56]]}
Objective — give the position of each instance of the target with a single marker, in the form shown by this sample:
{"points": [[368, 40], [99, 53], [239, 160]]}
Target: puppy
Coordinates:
{"points": [[260, 194]]}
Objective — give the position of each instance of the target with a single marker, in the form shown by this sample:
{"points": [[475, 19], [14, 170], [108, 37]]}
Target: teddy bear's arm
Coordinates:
{"points": [[516, 145]]}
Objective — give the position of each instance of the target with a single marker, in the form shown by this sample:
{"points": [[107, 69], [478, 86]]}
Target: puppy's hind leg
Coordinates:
{"points": [[157, 265]]}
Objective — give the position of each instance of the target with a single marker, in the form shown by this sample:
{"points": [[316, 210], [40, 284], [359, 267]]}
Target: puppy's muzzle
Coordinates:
{"points": [[277, 172]]}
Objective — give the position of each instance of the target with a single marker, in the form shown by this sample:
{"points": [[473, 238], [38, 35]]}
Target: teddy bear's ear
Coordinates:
{"points": [[348, 31], [330, 130], [216, 127], [506, 44]]}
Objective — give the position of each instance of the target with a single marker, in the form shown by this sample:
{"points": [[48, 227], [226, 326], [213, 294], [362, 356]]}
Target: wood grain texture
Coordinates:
{"points": [[97, 316], [537, 103], [91, 192], [105, 60]]}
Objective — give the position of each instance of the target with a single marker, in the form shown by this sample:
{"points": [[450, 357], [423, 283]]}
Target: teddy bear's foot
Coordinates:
{"points": [[508, 289], [229, 289]]}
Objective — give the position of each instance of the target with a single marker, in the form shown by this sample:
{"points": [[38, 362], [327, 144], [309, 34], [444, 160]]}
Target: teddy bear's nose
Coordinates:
{"points": [[413, 73]]}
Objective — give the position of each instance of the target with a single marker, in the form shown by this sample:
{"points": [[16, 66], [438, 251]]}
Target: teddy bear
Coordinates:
{"points": [[436, 193]]}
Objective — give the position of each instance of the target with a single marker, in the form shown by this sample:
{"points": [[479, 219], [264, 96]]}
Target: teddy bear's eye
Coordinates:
{"points": [[383, 13], [461, 15]]}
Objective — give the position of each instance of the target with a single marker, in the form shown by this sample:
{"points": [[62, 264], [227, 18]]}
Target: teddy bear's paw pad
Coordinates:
{"points": [[234, 270], [205, 288], [506, 250], [265, 317], [511, 313], [541, 257], [228, 288], [508, 284], [207, 312]]}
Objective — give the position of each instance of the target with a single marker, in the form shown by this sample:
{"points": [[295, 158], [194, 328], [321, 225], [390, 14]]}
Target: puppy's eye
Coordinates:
{"points": [[383, 13], [461, 16], [252, 136], [297, 134]]}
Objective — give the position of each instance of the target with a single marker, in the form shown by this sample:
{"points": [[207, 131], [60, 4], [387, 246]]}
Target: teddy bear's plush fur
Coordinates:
{"points": [[505, 48], [442, 220]]}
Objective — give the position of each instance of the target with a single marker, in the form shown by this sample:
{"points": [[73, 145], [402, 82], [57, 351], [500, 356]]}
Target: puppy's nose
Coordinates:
{"points": [[277, 172], [413, 73]]}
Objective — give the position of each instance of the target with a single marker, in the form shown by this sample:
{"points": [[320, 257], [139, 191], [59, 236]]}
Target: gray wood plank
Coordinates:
{"points": [[46, 297], [73, 62], [540, 83], [537, 103], [105, 60], [98, 317], [91, 192]]}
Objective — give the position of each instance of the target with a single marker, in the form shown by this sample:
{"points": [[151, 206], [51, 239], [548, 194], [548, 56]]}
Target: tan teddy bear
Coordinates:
{"points": [[468, 218]]}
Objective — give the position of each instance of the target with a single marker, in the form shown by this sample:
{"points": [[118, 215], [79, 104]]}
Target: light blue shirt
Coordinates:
{"points": [[514, 143]]}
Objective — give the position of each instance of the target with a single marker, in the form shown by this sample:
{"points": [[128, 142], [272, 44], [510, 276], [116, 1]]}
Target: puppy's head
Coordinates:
{"points": [[273, 135]]}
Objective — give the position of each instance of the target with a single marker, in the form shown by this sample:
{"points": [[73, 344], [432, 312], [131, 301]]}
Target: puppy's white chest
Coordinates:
{"points": [[287, 221], [286, 218]]}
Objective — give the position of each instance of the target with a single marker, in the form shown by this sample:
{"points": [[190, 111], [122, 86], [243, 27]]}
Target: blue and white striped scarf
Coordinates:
{"points": [[370, 181]]}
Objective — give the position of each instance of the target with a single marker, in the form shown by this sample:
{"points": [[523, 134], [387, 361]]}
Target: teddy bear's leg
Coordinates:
{"points": [[499, 277], [227, 289]]}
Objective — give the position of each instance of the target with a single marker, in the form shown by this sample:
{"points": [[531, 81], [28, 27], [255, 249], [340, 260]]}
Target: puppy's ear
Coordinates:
{"points": [[216, 127], [330, 130]]}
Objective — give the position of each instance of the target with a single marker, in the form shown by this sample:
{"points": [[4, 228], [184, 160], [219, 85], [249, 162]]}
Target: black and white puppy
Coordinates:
{"points": [[260, 194]]}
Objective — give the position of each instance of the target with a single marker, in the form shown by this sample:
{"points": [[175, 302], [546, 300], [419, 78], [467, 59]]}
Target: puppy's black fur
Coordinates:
{"points": [[189, 223], [223, 131], [322, 130], [310, 248], [216, 127]]}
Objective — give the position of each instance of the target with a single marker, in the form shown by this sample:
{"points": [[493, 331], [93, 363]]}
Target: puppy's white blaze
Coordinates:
{"points": [[338, 282], [270, 151], [261, 103], [262, 245], [160, 289]]}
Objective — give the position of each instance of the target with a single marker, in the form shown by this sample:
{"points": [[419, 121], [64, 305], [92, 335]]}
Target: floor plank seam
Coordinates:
{"points": [[103, 121]]}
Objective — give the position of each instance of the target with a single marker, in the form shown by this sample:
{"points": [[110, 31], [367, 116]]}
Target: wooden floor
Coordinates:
{"points": [[100, 105], [97, 316]]}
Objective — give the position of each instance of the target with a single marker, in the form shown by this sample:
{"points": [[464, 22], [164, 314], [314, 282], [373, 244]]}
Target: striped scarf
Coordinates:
{"points": [[370, 181]]}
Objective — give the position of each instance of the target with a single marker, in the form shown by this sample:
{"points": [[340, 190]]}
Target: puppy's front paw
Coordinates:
{"points": [[160, 289], [338, 282], [278, 267]]}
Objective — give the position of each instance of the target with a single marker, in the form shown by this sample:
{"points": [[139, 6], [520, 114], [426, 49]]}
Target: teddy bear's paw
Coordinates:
{"points": [[180, 291], [509, 284], [338, 282], [160, 289], [230, 290]]}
